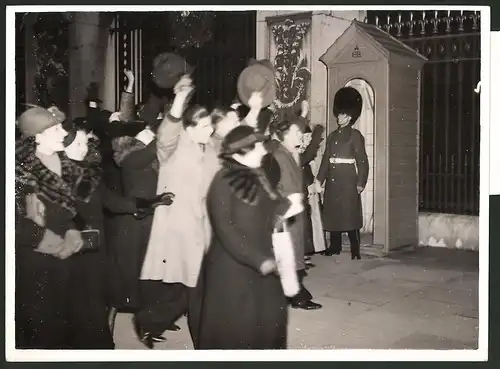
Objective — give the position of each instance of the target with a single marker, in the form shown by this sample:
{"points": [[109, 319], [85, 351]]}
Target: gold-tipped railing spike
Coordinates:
{"points": [[411, 24], [423, 22]]}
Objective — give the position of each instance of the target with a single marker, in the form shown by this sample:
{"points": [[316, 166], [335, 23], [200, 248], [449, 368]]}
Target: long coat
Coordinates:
{"points": [[241, 308], [42, 302], [181, 232], [311, 200], [342, 204], [129, 238], [42, 281], [291, 182]]}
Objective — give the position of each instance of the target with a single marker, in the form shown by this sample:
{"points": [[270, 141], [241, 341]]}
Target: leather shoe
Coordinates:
{"points": [[158, 338], [174, 327], [307, 305], [145, 337], [331, 252]]}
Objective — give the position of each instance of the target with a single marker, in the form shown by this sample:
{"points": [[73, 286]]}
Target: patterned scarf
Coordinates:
{"points": [[77, 182]]}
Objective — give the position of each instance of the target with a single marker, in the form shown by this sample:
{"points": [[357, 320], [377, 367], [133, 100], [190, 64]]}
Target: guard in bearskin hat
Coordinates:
{"points": [[344, 172]]}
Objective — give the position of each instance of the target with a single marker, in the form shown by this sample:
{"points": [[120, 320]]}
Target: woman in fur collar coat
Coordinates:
{"points": [[46, 236], [244, 306]]}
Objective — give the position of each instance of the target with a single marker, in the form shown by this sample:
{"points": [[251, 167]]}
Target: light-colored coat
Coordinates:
{"points": [[181, 233]]}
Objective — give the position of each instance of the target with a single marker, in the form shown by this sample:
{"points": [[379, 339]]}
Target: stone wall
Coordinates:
{"points": [[449, 230]]}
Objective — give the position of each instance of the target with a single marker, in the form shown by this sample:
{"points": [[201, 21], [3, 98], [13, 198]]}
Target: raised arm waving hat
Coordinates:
{"points": [[258, 76], [168, 68]]}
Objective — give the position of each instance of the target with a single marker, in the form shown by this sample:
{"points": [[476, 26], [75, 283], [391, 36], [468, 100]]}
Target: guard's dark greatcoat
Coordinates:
{"points": [[342, 203]]}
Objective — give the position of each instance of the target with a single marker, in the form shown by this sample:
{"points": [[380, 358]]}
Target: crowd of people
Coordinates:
{"points": [[169, 208]]}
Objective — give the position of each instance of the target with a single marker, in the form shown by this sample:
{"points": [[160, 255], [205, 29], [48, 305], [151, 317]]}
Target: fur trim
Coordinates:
{"points": [[245, 182], [123, 146], [31, 173]]}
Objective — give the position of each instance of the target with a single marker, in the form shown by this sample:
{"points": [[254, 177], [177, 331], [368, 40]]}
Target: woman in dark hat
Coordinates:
{"points": [[239, 265], [344, 169]]}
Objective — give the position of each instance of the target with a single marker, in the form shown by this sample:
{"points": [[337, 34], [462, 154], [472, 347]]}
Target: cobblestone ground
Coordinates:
{"points": [[427, 299]]}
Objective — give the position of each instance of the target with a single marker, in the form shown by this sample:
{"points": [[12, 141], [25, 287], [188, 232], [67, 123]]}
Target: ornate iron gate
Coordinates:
{"points": [[226, 45], [450, 126]]}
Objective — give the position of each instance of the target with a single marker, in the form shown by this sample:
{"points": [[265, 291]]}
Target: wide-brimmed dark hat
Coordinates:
{"points": [[257, 77], [348, 101], [168, 68], [240, 138]]}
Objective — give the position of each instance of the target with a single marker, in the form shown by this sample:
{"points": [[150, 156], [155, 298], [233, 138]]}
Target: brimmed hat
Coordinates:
{"points": [[36, 120], [257, 77], [348, 101], [168, 68], [240, 138], [58, 113]]}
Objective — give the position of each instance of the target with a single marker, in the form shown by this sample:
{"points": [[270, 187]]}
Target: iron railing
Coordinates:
{"points": [[450, 112], [218, 62]]}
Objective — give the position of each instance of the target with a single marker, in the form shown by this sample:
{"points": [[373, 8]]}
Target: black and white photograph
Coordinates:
{"points": [[244, 178]]}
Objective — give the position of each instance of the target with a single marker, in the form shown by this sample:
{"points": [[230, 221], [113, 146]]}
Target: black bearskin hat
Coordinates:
{"points": [[348, 101]]}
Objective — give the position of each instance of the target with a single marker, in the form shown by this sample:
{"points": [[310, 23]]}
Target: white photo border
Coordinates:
{"points": [[481, 354]]}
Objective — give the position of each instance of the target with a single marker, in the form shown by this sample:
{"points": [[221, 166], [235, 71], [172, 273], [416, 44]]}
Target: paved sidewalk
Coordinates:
{"points": [[427, 299]]}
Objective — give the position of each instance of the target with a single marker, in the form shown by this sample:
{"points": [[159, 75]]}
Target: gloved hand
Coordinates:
{"points": [[166, 198], [146, 207], [73, 242]]}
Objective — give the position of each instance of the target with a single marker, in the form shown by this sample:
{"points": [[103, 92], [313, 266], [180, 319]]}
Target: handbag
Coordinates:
{"points": [[91, 239], [285, 260]]}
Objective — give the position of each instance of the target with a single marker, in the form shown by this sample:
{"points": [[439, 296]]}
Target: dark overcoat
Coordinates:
{"points": [[241, 308], [43, 281], [128, 244], [342, 209]]}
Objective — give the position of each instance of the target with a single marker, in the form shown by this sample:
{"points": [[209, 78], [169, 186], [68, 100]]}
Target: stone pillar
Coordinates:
{"points": [[30, 59], [109, 84], [88, 36]]}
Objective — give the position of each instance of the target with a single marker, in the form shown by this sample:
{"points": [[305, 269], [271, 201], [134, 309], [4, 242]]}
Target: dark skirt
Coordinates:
{"points": [[246, 311], [127, 239], [88, 309], [60, 303]]}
